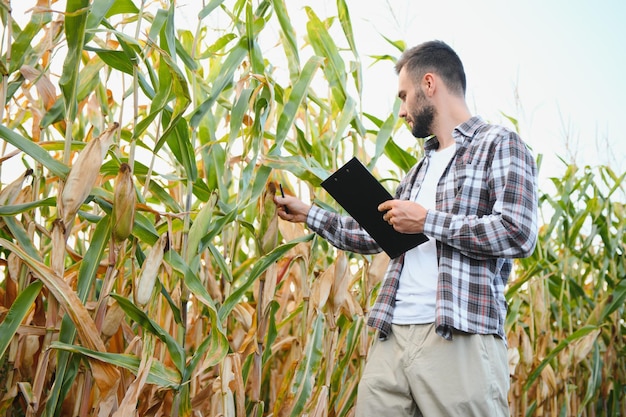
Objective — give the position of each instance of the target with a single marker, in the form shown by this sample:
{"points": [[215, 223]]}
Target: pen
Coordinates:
{"points": [[282, 194]]}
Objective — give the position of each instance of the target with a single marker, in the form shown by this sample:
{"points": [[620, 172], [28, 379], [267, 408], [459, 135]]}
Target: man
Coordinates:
{"points": [[440, 313]]}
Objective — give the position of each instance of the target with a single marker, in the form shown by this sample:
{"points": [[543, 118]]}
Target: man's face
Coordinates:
{"points": [[416, 108]]}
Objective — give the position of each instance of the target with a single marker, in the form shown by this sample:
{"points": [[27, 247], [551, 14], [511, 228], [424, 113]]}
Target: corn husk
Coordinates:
{"points": [[84, 173], [9, 194], [57, 257], [149, 271], [112, 320], [583, 346], [123, 204]]}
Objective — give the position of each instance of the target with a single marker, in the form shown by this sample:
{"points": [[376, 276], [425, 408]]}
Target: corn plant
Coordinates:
{"points": [[566, 326], [145, 271]]}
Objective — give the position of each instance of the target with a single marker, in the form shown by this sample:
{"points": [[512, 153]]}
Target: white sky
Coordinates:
{"points": [[557, 66]]}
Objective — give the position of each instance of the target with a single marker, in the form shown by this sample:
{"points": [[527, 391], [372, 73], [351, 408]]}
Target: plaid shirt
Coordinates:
{"points": [[486, 214]]}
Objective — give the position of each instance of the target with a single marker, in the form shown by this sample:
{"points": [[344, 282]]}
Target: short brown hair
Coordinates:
{"points": [[435, 56]]}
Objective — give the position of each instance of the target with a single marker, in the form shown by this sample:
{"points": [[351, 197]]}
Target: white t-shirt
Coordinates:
{"points": [[417, 291]]}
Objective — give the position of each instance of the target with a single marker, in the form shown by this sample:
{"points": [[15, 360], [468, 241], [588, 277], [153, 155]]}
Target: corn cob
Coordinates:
{"points": [[123, 204], [84, 173], [149, 271], [57, 256]]}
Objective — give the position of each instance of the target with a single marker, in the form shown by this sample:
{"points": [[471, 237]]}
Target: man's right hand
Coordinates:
{"points": [[291, 209]]}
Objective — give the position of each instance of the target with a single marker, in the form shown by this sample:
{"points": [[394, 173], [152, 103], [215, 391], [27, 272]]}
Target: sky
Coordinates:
{"points": [[556, 66]]}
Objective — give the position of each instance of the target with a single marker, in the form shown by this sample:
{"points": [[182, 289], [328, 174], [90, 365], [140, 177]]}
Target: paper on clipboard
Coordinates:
{"points": [[359, 193]]}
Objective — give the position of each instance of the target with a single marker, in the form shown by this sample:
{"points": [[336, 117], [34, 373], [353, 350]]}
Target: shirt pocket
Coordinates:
{"points": [[472, 184]]}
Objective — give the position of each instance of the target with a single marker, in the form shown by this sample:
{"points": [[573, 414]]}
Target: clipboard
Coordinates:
{"points": [[354, 187]]}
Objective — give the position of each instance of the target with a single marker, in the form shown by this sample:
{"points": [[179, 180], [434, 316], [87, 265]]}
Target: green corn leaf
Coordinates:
{"points": [[399, 156], [158, 22], [121, 7], [400, 45], [218, 343], [133, 312], [98, 11], [200, 228], [210, 350], [21, 236], [346, 116], [168, 33], [578, 334], [384, 133], [67, 368], [259, 267], [160, 374], [307, 170], [225, 77], [184, 56], [22, 48], [21, 208], [163, 197], [16, 314], [297, 95], [115, 59], [346, 25], [288, 34], [238, 113], [75, 24], [175, 309], [324, 46], [177, 137], [308, 368], [206, 10], [35, 151], [260, 181], [217, 227]]}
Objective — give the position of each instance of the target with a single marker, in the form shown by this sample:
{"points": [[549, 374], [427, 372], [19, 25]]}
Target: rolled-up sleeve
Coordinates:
{"points": [[343, 232]]}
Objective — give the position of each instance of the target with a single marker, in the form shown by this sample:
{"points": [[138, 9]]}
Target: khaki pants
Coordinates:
{"points": [[416, 372]]}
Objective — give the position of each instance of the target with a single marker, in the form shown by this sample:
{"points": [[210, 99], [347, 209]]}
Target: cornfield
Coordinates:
{"points": [[144, 269]]}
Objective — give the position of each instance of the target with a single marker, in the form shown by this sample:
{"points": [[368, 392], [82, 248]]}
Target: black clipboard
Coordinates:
{"points": [[359, 193]]}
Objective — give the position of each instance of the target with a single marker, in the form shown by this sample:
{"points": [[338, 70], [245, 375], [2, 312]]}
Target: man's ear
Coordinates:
{"points": [[429, 84]]}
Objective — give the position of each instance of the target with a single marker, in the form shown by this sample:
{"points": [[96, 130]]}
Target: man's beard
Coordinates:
{"points": [[423, 121]]}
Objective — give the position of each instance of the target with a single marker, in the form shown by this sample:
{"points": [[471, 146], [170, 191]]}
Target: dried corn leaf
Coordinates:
{"points": [[105, 375], [9, 194], [128, 406], [45, 87], [341, 282], [321, 288], [377, 269]]}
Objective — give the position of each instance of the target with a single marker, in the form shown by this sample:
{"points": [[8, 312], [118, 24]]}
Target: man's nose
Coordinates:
{"points": [[402, 112]]}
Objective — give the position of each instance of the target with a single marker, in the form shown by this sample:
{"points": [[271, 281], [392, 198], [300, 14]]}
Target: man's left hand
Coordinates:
{"points": [[404, 216]]}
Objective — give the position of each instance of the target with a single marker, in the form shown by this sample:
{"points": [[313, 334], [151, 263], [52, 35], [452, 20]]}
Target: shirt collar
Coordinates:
{"points": [[469, 128], [465, 130]]}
